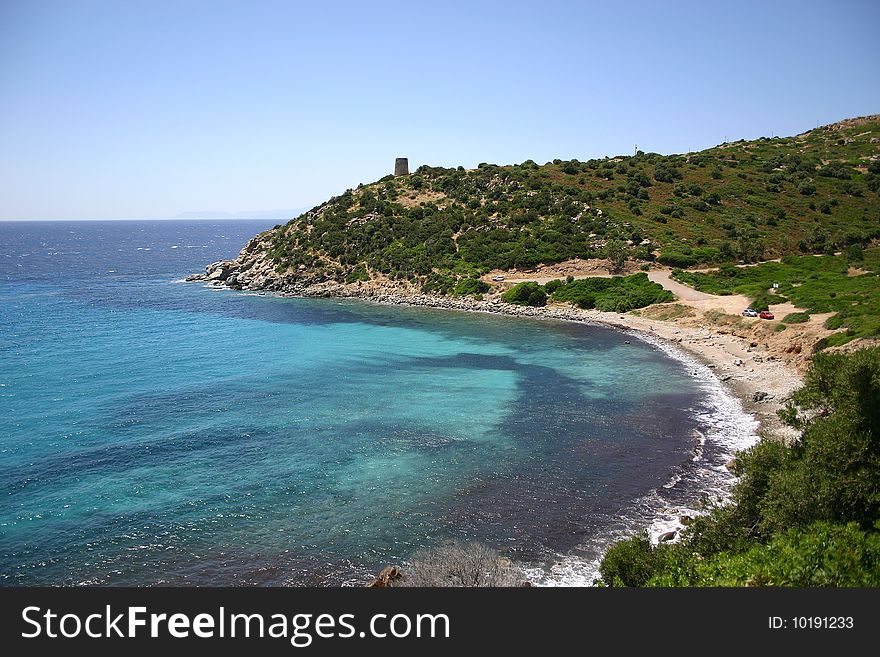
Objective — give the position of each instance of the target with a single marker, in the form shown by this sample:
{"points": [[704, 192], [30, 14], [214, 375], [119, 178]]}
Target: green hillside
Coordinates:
{"points": [[738, 202]]}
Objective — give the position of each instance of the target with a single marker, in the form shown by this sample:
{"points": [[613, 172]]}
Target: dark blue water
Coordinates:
{"points": [[154, 431]]}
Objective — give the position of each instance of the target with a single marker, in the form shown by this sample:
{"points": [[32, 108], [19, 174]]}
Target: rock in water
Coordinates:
{"points": [[386, 577]]}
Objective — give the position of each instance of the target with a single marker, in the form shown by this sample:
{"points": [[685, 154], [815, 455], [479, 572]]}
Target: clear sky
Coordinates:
{"points": [[150, 109]]}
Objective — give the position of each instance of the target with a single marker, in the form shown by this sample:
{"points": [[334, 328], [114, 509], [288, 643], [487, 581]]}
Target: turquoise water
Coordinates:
{"points": [[154, 431]]}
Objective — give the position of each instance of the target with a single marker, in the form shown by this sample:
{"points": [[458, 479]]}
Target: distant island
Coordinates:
{"points": [[755, 256]]}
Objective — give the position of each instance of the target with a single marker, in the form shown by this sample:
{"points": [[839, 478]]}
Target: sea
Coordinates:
{"points": [[159, 432]]}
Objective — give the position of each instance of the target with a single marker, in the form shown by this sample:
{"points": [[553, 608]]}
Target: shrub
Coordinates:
{"points": [[359, 273], [854, 253], [629, 563], [821, 555], [468, 286], [551, 286], [807, 189], [679, 260], [460, 565], [526, 294], [617, 294], [796, 318]]}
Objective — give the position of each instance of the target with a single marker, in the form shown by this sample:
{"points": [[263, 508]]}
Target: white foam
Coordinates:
{"points": [[724, 428]]}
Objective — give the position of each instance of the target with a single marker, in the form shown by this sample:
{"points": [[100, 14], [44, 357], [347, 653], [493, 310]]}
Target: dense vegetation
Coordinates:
{"points": [[847, 285], [616, 294], [738, 202], [805, 515]]}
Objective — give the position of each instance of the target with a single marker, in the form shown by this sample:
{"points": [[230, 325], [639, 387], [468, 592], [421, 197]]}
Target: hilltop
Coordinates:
{"points": [[452, 232], [742, 201]]}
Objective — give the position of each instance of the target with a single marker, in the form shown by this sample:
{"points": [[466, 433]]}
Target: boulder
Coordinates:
{"points": [[219, 271], [386, 577], [666, 536], [760, 396]]}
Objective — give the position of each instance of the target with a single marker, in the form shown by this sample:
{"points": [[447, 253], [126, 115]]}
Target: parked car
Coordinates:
{"points": [[498, 278], [766, 314], [748, 312]]}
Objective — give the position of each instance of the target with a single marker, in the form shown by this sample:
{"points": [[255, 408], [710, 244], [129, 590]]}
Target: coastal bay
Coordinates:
{"points": [[159, 432]]}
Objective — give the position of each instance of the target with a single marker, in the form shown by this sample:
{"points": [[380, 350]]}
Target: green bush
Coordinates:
{"points": [[359, 273], [629, 563], [820, 555], [673, 259], [617, 294], [551, 286], [467, 286], [526, 294], [796, 318]]}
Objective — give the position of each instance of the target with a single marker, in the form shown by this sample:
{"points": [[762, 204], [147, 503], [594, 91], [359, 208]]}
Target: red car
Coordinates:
{"points": [[766, 314]]}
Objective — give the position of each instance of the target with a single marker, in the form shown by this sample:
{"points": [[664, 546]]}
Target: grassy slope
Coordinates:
{"points": [[815, 193], [820, 285], [742, 201]]}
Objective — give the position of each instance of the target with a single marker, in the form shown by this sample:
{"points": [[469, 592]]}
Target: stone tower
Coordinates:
{"points": [[401, 166]]}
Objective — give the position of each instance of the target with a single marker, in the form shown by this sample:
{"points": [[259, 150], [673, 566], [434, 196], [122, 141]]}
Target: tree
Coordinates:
{"points": [[617, 254]]}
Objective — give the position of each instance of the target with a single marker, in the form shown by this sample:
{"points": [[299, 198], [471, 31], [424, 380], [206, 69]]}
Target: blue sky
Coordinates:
{"points": [[150, 109]]}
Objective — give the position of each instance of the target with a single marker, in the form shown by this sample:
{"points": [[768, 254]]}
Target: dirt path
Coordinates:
{"points": [[732, 304]]}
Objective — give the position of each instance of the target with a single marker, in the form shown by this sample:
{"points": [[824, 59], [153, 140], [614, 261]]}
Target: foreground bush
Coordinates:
{"points": [[458, 564], [526, 294]]}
